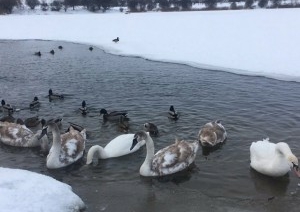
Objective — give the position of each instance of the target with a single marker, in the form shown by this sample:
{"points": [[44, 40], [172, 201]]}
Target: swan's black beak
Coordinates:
{"points": [[44, 132], [134, 142]]}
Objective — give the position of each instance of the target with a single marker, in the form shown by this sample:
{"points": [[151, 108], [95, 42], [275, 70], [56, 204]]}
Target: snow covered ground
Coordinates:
{"points": [[25, 191], [261, 42]]}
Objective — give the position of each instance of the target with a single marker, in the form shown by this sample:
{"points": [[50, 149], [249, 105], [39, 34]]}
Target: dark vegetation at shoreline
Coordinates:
{"points": [[7, 6]]}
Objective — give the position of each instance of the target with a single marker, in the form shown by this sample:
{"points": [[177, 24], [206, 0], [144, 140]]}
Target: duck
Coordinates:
{"points": [[151, 128], [172, 113], [6, 107], [83, 108], [169, 160], [60, 47], [18, 135], [113, 116], [52, 51], [91, 48], [75, 127], [117, 147], [52, 95], [212, 133], [8, 118], [38, 53], [116, 40], [66, 149], [123, 124], [32, 121], [274, 160], [35, 103]]}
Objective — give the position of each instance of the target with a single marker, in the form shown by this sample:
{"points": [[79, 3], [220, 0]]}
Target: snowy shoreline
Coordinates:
{"points": [[246, 42]]}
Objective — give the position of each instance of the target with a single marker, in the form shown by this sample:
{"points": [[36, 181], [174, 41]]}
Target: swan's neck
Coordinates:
{"points": [[56, 146], [99, 150], [146, 166]]}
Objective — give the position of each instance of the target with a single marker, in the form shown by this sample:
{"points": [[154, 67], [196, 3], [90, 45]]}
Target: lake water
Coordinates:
{"points": [[251, 108]]}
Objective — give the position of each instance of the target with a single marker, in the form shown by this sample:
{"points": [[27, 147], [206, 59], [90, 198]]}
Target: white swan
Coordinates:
{"points": [[67, 148], [212, 133], [271, 159], [117, 147], [169, 160], [18, 135]]}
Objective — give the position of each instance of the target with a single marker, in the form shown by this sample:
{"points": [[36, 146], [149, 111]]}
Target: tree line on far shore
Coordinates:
{"points": [[6, 6]]}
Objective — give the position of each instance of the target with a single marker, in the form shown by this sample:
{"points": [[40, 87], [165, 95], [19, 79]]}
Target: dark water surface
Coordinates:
{"points": [[251, 108]]}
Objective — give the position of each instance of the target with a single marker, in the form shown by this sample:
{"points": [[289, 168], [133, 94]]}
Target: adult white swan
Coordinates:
{"points": [[169, 160], [67, 148], [271, 159], [117, 147]]}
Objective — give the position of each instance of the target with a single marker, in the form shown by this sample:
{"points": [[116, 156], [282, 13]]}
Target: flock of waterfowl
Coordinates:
{"points": [[66, 148]]}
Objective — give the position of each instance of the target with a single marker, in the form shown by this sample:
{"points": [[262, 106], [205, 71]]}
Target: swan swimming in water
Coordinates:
{"points": [[169, 160], [212, 133], [19, 135], [117, 147], [272, 159], [67, 148]]}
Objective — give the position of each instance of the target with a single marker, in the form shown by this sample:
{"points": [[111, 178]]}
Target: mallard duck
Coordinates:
{"points": [[151, 128], [6, 107], [53, 96], [113, 116], [123, 124], [117, 147], [19, 135], [52, 51], [172, 113], [66, 149], [212, 133], [38, 53], [60, 47], [272, 159], [75, 127], [169, 160], [35, 103], [8, 118], [116, 40], [32, 121], [83, 108]]}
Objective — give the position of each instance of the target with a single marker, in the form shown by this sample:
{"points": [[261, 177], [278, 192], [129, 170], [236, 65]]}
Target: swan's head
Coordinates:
{"points": [[207, 137], [138, 137], [294, 164], [152, 128]]}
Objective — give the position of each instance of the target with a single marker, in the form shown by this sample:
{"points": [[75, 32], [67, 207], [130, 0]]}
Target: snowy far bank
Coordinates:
{"points": [[22, 190], [252, 42]]}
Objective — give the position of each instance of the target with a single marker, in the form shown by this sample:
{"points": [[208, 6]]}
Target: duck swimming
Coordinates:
{"points": [[212, 133], [172, 113], [117, 147], [19, 135], [169, 160], [32, 121], [53, 96], [151, 128], [66, 149], [35, 103], [6, 107], [123, 124], [83, 108], [272, 159], [113, 116]]}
